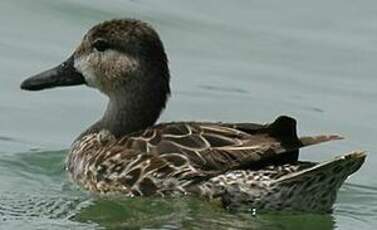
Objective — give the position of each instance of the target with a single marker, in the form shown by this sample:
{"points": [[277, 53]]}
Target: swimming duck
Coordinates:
{"points": [[125, 152]]}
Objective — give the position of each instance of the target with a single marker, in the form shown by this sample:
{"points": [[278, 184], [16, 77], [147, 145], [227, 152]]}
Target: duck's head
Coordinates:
{"points": [[117, 56]]}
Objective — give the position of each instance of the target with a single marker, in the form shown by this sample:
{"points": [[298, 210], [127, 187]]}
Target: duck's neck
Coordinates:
{"points": [[136, 106], [129, 113]]}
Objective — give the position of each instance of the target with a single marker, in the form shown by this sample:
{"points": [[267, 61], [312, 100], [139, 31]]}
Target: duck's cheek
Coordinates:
{"points": [[84, 66], [118, 66]]}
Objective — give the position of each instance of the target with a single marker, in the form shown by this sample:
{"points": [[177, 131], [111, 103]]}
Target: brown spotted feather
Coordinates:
{"points": [[172, 158]]}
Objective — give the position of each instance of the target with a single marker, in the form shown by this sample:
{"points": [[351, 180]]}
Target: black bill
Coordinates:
{"points": [[64, 74]]}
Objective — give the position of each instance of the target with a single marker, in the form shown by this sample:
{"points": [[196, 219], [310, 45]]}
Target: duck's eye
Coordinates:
{"points": [[101, 45]]}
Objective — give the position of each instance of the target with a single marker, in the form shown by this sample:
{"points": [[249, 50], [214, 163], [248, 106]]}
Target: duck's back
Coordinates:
{"points": [[178, 157]]}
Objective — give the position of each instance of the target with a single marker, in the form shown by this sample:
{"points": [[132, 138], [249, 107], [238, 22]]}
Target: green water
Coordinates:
{"points": [[230, 61]]}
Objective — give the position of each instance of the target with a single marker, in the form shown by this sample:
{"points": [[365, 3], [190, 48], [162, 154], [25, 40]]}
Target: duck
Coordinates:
{"points": [[127, 153]]}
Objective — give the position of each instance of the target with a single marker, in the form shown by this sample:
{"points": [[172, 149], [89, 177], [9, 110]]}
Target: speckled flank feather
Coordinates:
{"points": [[301, 186], [208, 159]]}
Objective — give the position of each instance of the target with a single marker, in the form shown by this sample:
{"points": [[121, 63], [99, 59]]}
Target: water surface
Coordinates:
{"points": [[230, 61]]}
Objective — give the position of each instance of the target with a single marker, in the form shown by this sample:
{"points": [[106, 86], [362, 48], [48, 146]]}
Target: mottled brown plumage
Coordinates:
{"points": [[184, 153], [126, 153]]}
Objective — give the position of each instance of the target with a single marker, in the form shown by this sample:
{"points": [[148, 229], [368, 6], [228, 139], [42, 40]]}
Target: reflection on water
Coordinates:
{"points": [[192, 214], [312, 60]]}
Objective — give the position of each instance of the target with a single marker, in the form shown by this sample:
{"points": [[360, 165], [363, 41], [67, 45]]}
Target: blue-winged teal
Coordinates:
{"points": [[126, 153]]}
